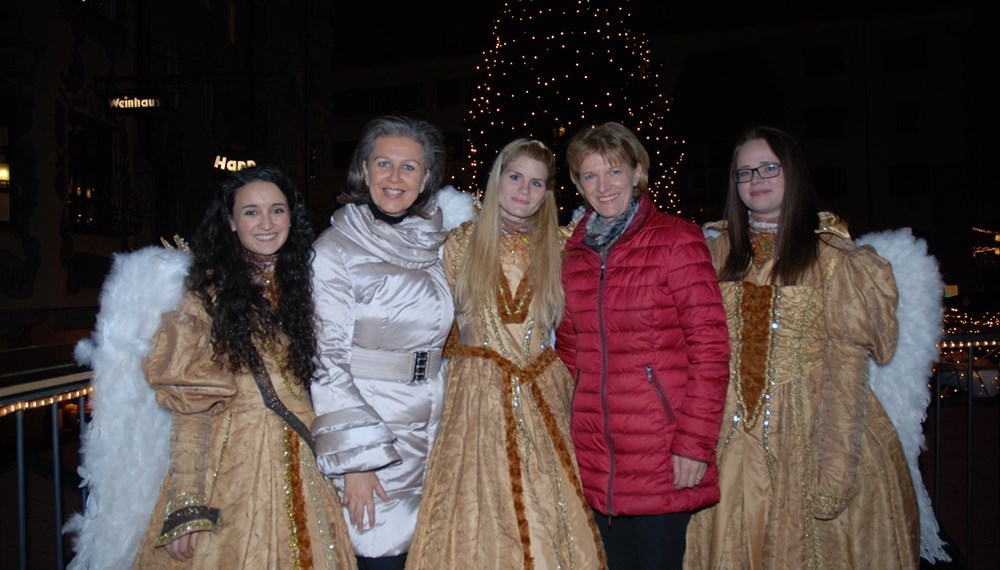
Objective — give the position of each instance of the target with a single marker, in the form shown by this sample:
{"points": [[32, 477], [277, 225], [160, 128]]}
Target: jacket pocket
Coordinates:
{"points": [[660, 393]]}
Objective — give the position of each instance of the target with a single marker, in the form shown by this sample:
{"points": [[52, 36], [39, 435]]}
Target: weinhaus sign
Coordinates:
{"points": [[128, 104]]}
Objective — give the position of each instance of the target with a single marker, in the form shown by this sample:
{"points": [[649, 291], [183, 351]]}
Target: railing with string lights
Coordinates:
{"points": [[63, 393], [966, 359], [964, 380]]}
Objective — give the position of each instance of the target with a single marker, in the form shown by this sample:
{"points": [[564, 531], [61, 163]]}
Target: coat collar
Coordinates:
{"points": [[829, 223], [645, 207]]}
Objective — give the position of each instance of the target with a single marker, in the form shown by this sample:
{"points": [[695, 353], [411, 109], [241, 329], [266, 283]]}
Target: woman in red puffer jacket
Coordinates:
{"points": [[644, 334]]}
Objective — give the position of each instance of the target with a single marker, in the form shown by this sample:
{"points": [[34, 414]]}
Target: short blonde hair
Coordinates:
{"points": [[616, 143]]}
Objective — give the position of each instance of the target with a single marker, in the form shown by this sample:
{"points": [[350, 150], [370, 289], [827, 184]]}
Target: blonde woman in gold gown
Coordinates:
{"points": [[502, 489]]}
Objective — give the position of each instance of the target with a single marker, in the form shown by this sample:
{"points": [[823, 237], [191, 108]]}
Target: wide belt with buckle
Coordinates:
{"points": [[397, 366]]}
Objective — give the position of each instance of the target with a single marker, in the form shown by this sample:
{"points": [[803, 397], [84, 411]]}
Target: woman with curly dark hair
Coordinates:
{"points": [[233, 364]]}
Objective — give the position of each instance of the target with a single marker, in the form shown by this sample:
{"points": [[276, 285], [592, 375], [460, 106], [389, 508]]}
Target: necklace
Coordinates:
{"points": [[263, 272], [296, 390], [514, 243]]}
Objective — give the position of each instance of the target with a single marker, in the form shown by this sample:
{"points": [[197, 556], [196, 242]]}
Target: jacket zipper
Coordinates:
{"points": [[660, 393], [604, 392]]}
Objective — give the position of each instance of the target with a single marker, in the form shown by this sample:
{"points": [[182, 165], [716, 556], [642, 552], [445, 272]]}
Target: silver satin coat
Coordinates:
{"points": [[379, 287]]}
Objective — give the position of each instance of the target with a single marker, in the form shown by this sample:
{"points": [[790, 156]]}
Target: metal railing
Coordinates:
{"points": [[966, 375], [51, 389], [44, 390]]}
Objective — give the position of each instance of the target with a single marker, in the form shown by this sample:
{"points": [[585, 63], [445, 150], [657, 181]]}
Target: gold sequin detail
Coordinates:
{"points": [[186, 513], [185, 500], [199, 524], [514, 309], [307, 463], [222, 450], [752, 382], [289, 501], [296, 389], [514, 243]]}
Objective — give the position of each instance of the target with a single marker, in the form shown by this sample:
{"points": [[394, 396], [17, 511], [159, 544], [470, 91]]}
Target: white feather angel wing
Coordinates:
{"points": [[901, 385], [126, 447]]}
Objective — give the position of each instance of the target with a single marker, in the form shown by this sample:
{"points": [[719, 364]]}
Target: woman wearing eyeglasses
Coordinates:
{"points": [[811, 471]]}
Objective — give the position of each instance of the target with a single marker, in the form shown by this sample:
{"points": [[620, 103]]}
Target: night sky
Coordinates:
{"points": [[369, 32], [394, 30]]}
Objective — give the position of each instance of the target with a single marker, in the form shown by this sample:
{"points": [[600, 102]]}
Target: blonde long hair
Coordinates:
{"points": [[479, 273]]}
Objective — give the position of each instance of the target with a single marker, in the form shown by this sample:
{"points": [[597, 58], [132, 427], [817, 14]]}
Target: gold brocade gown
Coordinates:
{"points": [[233, 454], [502, 489], [811, 471]]}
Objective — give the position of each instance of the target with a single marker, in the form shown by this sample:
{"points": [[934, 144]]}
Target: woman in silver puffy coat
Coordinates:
{"points": [[384, 311]]}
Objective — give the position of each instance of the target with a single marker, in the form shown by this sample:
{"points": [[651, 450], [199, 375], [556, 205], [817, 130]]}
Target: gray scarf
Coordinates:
{"points": [[601, 234]]}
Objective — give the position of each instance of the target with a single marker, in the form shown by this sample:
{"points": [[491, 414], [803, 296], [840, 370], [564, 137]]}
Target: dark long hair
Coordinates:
{"points": [[795, 250], [435, 158], [222, 278]]}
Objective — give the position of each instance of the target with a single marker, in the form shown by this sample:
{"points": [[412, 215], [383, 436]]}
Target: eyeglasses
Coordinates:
{"points": [[769, 170]]}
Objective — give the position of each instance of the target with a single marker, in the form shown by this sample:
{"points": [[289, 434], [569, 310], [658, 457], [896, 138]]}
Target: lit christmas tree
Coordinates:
{"points": [[557, 67]]}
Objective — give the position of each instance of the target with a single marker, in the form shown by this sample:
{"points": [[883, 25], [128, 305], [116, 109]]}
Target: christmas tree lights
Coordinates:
{"points": [[554, 68]]}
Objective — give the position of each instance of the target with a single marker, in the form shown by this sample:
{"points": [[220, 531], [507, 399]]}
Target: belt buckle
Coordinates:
{"points": [[419, 366]]}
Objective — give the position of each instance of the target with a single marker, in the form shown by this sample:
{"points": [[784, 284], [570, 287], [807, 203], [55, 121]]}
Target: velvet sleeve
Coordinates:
{"points": [[191, 384], [860, 316]]}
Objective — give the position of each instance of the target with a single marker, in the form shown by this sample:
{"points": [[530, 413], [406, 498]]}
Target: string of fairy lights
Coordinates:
{"points": [[953, 353], [957, 321], [46, 401], [985, 351], [556, 67], [987, 249]]}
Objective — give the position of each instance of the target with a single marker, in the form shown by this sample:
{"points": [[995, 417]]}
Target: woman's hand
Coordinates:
{"points": [[688, 472], [358, 498], [182, 547]]}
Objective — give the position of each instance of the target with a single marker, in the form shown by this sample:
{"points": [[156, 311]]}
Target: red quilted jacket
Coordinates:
{"points": [[645, 336]]}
